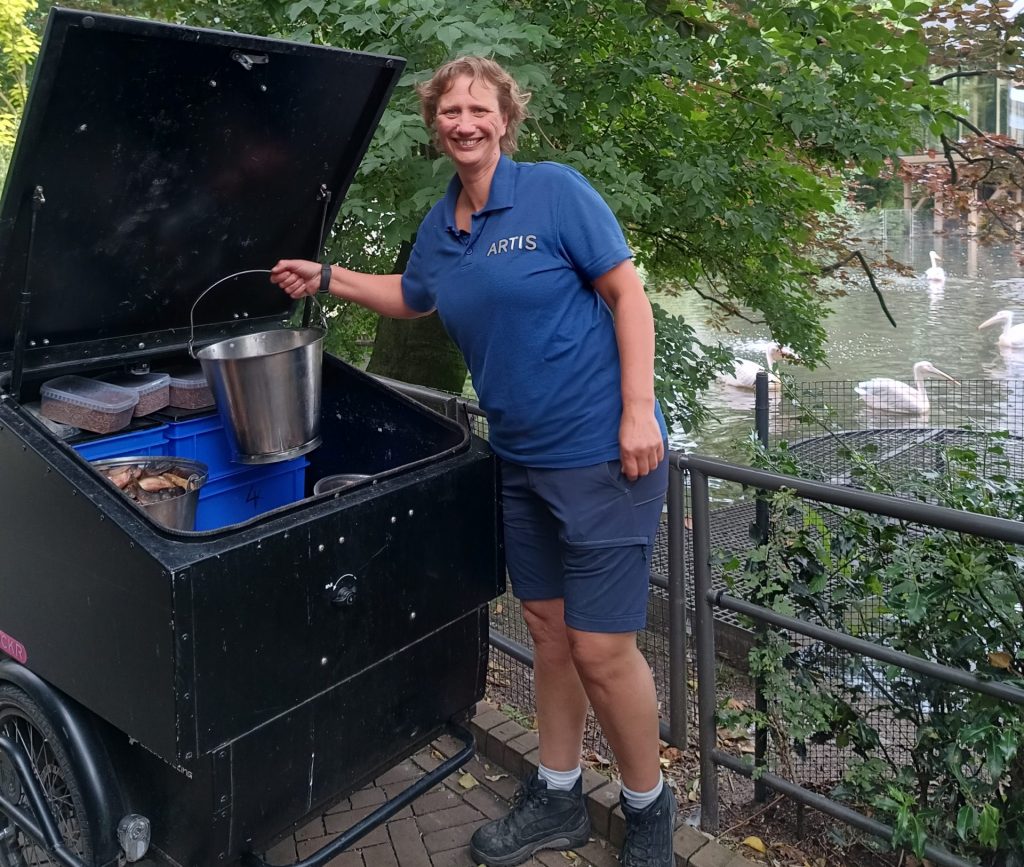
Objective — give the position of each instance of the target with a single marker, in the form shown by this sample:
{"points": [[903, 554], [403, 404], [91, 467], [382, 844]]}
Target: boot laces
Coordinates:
{"points": [[641, 841], [528, 796]]}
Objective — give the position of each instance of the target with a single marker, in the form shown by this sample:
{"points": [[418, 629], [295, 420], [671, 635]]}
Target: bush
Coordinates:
{"points": [[939, 763]]}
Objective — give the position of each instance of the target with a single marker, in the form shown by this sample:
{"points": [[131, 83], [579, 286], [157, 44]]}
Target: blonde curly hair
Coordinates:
{"points": [[511, 100]]}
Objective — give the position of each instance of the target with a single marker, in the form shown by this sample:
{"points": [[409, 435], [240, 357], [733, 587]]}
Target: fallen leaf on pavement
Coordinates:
{"points": [[755, 843]]}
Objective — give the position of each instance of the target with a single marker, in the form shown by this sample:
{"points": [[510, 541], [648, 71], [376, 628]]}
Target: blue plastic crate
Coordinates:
{"points": [[251, 492], [203, 439], [148, 441]]}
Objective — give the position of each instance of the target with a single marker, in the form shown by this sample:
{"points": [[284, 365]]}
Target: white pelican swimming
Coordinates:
{"points": [[892, 395], [935, 274], [1011, 335], [744, 372]]}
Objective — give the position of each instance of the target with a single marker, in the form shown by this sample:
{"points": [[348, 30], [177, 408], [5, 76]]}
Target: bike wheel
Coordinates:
{"points": [[24, 722]]}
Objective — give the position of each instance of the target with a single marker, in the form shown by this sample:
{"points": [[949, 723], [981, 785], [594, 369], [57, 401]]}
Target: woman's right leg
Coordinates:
{"points": [[542, 816], [561, 701]]}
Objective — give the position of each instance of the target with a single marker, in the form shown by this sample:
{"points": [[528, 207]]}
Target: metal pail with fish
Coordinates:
{"points": [[165, 488]]}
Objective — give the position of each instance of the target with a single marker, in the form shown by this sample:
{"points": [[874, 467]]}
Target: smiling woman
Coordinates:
{"points": [[529, 271]]}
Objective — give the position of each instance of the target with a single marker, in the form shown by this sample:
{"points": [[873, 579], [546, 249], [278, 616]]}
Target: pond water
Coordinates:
{"points": [[937, 324]]}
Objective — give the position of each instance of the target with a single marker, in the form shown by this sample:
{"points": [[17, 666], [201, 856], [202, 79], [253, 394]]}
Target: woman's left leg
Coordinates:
{"points": [[619, 684]]}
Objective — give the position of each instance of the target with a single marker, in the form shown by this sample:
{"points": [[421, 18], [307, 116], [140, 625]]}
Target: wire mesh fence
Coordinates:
{"points": [[833, 434]]}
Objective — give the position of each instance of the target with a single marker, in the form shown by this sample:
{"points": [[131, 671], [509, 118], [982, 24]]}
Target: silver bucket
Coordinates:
{"points": [[267, 390], [177, 512]]}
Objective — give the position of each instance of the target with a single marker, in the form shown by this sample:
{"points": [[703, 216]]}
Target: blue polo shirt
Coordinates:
{"points": [[515, 294]]}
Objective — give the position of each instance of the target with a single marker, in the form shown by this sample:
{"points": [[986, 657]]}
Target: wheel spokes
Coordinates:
{"points": [[58, 796]]}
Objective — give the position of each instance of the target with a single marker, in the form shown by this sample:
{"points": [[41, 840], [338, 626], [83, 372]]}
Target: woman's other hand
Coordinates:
{"points": [[641, 447], [298, 277]]}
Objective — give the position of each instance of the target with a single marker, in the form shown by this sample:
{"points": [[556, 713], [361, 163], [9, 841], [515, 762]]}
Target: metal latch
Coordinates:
{"points": [[247, 61], [342, 592]]}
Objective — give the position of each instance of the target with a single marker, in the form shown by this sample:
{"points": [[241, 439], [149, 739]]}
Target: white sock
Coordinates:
{"points": [[639, 800], [559, 780]]}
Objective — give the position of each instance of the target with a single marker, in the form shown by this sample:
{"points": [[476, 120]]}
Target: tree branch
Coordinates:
{"points": [[685, 27], [722, 303], [856, 254], [1011, 149], [973, 73]]}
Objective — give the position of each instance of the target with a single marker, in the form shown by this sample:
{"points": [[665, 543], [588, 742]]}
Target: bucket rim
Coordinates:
{"points": [[204, 354], [196, 468]]}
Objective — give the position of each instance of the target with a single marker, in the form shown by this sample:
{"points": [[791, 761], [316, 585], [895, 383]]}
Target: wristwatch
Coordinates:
{"points": [[325, 279]]}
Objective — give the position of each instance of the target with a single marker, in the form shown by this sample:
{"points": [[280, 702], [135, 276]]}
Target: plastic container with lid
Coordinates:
{"points": [[153, 389], [87, 403], [189, 389]]}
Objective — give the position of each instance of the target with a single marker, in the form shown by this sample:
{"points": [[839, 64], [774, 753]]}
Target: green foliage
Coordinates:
{"points": [[683, 369], [18, 47], [940, 763], [720, 135]]}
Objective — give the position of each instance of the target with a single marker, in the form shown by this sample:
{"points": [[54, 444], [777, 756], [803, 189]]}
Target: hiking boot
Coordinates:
{"points": [[648, 840], [540, 818]]}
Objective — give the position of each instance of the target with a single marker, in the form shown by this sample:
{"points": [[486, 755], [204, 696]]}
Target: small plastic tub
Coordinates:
{"points": [[153, 389], [87, 403], [190, 390]]}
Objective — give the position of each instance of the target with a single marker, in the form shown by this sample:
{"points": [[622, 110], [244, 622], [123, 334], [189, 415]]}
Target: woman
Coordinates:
{"points": [[531, 276]]}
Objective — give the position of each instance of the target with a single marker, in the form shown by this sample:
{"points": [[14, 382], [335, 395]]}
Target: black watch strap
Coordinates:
{"points": [[325, 278]]}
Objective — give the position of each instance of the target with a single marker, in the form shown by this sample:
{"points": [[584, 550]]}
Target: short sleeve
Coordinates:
{"points": [[416, 290], [587, 229]]}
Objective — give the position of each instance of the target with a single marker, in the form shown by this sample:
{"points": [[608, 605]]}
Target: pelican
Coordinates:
{"points": [[935, 274], [1011, 335], [744, 372], [895, 396]]}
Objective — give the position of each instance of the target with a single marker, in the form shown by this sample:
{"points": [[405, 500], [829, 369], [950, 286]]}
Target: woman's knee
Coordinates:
{"points": [[545, 618], [602, 656]]}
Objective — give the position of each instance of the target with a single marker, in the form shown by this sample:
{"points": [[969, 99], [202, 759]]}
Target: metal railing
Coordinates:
{"points": [[708, 599]]}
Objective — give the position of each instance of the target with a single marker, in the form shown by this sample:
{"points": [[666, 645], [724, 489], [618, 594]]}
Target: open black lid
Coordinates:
{"points": [[169, 157]]}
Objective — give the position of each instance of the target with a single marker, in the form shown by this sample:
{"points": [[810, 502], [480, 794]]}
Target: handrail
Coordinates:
{"points": [[988, 526], [707, 599]]}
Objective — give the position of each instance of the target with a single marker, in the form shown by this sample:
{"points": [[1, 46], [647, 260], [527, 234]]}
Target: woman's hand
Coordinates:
{"points": [[641, 447], [298, 277]]}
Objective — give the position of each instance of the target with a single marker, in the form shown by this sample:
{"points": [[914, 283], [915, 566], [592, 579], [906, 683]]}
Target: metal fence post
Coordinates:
{"points": [[678, 698], [761, 524], [704, 629]]}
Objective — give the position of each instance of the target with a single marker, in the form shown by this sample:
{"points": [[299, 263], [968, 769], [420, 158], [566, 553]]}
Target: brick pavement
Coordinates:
{"points": [[434, 830]]}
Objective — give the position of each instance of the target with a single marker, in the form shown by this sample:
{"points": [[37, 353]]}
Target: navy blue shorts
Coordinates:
{"points": [[585, 535]]}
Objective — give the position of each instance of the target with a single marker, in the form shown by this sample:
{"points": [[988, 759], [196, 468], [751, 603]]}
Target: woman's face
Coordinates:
{"points": [[470, 123]]}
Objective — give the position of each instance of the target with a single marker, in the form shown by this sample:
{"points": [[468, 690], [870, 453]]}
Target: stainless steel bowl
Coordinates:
{"points": [[338, 482], [177, 512]]}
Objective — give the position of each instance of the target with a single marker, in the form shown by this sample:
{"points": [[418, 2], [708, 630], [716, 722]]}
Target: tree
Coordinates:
{"points": [[18, 48], [720, 132], [983, 171]]}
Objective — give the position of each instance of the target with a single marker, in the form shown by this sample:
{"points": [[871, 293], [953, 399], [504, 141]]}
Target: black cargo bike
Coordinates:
{"points": [[191, 696]]}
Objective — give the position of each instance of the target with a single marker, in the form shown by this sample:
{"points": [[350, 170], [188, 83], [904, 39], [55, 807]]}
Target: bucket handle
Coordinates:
{"points": [[192, 310]]}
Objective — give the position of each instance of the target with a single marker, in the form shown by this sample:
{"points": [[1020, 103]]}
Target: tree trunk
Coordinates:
{"points": [[417, 350]]}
